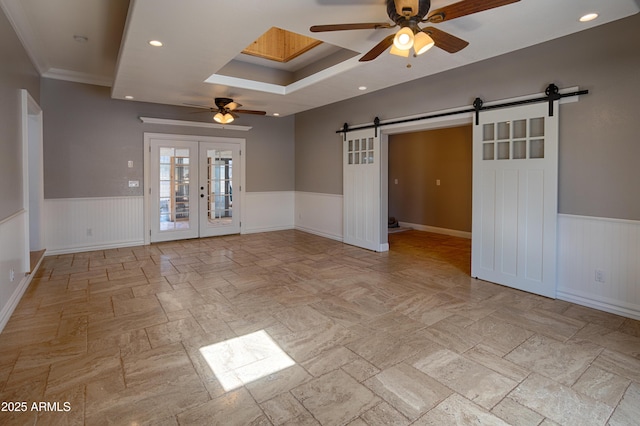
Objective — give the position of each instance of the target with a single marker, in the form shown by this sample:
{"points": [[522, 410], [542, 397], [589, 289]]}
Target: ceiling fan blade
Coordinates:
{"points": [[464, 8], [249, 111], [232, 106], [199, 106], [343, 27], [378, 49], [446, 41]]}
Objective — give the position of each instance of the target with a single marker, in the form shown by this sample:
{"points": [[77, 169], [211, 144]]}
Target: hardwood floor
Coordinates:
{"points": [[302, 330]]}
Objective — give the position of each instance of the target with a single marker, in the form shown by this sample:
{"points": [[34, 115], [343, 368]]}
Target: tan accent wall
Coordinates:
{"points": [[417, 163]]}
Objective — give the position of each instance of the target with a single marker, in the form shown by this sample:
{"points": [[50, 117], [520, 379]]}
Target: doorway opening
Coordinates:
{"points": [[430, 194], [430, 180], [415, 210]]}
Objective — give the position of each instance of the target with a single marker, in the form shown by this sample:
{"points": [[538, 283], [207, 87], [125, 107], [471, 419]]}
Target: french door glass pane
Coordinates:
{"points": [[220, 187], [175, 172]]}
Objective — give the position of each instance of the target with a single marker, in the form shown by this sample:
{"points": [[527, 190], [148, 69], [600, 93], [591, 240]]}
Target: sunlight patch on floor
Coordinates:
{"points": [[244, 359]]}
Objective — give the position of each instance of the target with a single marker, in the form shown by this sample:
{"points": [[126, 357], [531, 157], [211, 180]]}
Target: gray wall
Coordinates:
{"points": [[417, 160], [599, 149], [16, 72], [89, 137]]}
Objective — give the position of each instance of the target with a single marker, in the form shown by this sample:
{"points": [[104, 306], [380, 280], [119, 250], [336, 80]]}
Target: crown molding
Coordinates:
{"points": [[151, 120], [26, 34]]}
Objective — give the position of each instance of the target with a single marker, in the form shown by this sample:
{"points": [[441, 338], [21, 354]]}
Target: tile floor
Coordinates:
{"points": [[407, 337]]}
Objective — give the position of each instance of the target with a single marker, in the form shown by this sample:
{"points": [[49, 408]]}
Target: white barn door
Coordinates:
{"points": [[362, 191], [515, 193]]}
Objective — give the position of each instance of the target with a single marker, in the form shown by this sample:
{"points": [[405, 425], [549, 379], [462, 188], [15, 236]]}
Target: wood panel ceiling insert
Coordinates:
{"points": [[280, 45]]}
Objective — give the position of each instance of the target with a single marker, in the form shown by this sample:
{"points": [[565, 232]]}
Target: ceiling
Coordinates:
{"points": [[203, 38]]}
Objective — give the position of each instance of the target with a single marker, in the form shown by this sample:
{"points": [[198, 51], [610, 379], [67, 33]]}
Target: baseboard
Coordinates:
{"points": [[83, 248], [12, 303], [602, 305], [257, 230], [436, 230], [318, 233]]}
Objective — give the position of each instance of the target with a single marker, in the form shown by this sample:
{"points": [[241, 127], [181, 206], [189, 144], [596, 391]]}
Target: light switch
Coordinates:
{"points": [[130, 164], [437, 182], [396, 181]]}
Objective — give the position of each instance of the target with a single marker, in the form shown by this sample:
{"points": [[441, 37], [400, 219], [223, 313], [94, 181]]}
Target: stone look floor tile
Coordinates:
{"points": [[277, 383], [516, 414], [621, 364], [459, 411], [408, 390], [335, 398], [628, 412], [566, 407], [283, 408], [474, 381], [563, 362], [237, 405], [499, 334], [384, 415], [377, 338], [602, 386]]}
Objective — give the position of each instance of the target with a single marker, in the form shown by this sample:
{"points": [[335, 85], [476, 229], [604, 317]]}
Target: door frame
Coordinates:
{"points": [[33, 175], [191, 138]]}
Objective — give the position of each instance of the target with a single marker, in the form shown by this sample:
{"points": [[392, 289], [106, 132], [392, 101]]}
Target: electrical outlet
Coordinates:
{"points": [[12, 275], [600, 276], [89, 232]]}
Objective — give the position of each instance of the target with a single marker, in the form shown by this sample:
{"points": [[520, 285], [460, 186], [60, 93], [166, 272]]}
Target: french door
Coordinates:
{"points": [[191, 187], [515, 193]]}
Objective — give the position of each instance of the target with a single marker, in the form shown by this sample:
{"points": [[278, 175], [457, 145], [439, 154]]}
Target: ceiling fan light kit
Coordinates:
{"points": [[422, 42], [399, 52], [223, 118], [225, 110], [409, 14], [404, 39]]}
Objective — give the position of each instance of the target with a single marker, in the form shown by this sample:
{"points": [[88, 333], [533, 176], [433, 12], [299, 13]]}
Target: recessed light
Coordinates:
{"points": [[155, 43], [362, 88], [128, 97], [588, 17], [276, 114]]}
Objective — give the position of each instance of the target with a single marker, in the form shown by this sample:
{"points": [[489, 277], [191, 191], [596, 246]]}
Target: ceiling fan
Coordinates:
{"points": [[408, 15], [226, 110]]}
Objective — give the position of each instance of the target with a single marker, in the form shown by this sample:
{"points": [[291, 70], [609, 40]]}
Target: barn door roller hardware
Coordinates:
{"points": [[552, 93]]}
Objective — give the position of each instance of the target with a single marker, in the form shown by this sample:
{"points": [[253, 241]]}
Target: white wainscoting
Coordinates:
{"points": [[85, 224], [319, 214], [13, 256], [267, 211], [587, 244]]}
